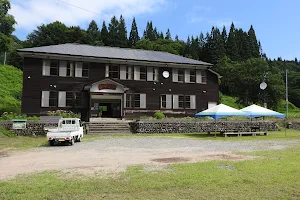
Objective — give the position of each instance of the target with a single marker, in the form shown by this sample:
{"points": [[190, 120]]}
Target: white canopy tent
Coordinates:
{"points": [[221, 111], [258, 111]]}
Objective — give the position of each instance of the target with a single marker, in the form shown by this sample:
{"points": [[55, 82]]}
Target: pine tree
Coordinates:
{"points": [[194, 48], [187, 49], [168, 35], [176, 38], [134, 35], [93, 34], [155, 34], [104, 34], [224, 35], [253, 44], [215, 45], [113, 33], [243, 45], [149, 32], [122, 32], [231, 46], [161, 35]]}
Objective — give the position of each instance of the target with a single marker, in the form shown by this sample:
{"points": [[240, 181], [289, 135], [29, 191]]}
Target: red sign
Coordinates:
{"points": [[107, 86]]}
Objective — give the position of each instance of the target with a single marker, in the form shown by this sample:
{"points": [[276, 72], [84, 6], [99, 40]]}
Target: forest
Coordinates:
{"points": [[237, 54]]}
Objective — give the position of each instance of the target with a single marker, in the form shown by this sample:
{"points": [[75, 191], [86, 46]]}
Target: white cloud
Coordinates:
{"points": [[202, 8], [31, 13], [196, 19]]}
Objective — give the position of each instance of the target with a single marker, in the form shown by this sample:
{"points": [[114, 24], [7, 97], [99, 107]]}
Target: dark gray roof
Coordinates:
{"points": [[113, 53]]}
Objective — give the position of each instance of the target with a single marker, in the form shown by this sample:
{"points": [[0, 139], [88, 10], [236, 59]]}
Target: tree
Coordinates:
{"points": [[104, 34], [253, 44], [93, 34], [50, 34], [75, 34], [134, 34], [122, 32], [176, 38], [168, 35], [149, 32], [113, 33], [243, 44], [231, 46], [7, 23], [224, 36]]}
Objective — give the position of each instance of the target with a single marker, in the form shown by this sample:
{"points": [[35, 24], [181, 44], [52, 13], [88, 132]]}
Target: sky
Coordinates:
{"points": [[276, 22]]}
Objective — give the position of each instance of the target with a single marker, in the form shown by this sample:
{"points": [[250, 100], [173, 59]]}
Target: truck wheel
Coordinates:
{"points": [[72, 142], [51, 143], [79, 139]]}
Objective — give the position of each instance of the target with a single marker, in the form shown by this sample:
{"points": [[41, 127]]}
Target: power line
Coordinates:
{"points": [[78, 7]]}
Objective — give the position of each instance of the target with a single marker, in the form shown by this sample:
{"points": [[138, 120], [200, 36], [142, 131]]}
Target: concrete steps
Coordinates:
{"points": [[108, 128]]}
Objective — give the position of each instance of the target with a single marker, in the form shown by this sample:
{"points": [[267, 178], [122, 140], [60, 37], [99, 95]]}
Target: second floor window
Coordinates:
{"points": [[114, 71], [192, 76], [180, 75], [143, 73], [53, 67], [85, 70], [70, 69]]}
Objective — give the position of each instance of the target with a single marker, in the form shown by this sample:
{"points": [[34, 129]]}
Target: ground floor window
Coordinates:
{"points": [[128, 101], [78, 99], [180, 101], [53, 98], [137, 100]]}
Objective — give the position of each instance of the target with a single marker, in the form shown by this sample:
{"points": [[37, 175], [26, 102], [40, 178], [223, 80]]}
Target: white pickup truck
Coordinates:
{"points": [[69, 131]]}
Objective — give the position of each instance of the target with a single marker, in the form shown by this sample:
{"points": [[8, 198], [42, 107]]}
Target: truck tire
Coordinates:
{"points": [[51, 143], [78, 139], [72, 142]]}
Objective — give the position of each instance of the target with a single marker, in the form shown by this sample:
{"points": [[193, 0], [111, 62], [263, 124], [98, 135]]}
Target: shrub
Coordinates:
{"points": [[159, 115], [6, 132], [10, 116], [63, 113]]}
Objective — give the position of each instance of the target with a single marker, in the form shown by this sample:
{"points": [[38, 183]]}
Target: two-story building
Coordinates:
{"points": [[122, 83]]}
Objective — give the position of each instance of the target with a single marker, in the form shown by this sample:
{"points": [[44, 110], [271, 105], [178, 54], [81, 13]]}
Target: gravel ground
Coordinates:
{"points": [[115, 154]]}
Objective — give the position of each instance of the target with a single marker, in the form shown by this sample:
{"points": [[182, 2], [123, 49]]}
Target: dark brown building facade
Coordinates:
{"points": [[96, 86]]}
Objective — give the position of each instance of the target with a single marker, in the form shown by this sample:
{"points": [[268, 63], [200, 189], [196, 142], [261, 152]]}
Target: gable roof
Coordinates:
{"points": [[113, 53]]}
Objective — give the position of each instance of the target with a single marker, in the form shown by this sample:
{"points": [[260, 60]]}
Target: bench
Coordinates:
{"points": [[244, 133]]}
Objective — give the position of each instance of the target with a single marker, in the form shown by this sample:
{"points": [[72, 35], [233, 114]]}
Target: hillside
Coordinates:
{"points": [[10, 89]]}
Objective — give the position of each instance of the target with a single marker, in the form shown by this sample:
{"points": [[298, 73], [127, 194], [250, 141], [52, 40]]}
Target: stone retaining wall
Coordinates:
{"points": [[200, 126], [33, 128]]}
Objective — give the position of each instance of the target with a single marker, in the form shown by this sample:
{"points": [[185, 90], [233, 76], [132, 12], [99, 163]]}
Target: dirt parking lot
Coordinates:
{"points": [[116, 154]]}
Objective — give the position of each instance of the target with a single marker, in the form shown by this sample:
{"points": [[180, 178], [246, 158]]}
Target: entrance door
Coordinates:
{"points": [[106, 109]]}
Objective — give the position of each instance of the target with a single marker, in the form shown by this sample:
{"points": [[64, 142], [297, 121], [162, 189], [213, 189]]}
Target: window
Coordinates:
{"points": [[85, 70], [187, 102], [180, 75], [69, 99], [78, 100], [129, 72], [192, 76], [163, 99], [53, 98], [180, 101], [204, 76], [70, 69], [137, 100], [143, 73], [128, 101], [53, 67], [114, 71]]}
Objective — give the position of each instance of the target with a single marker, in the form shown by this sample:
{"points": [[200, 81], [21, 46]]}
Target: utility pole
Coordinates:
{"points": [[4, 62], [286, 93]]}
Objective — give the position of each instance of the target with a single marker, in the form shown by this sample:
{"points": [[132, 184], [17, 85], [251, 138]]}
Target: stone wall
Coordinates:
{"points": [[33, 128], [201, 126]]}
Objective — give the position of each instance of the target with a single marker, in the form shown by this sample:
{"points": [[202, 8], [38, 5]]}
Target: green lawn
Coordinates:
{"points": [[274, 175]]}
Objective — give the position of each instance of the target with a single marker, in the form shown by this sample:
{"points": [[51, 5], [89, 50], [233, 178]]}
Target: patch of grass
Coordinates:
{"points": [[21, 142], [274, 175]]}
